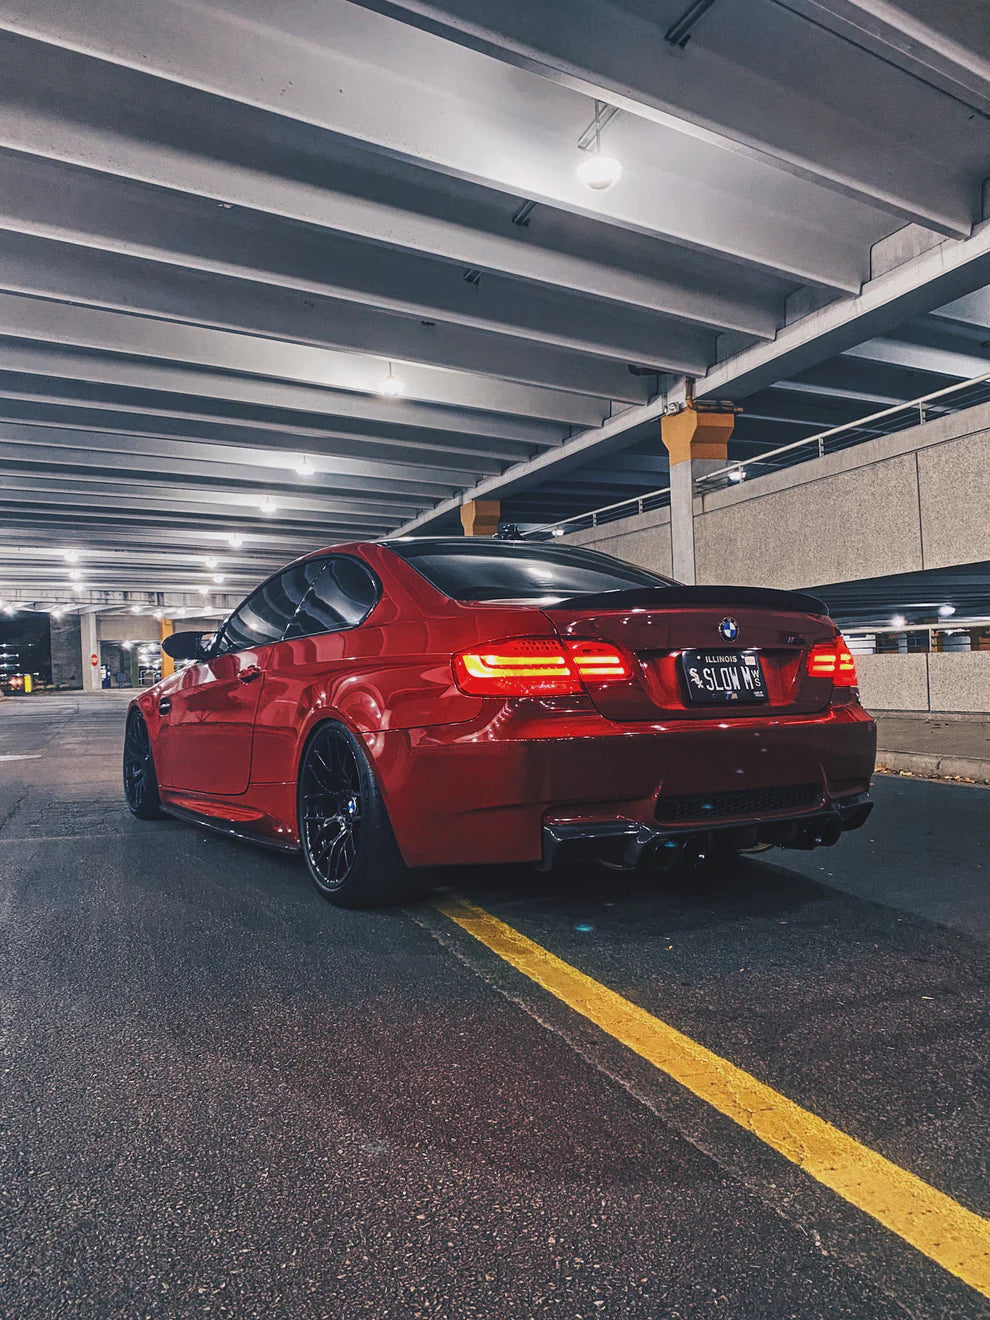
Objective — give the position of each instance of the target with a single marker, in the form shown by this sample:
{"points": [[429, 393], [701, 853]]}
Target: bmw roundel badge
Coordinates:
{"points": [[728, 629]]}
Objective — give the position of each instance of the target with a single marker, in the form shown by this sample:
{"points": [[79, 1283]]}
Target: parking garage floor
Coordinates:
{"points": [[223, 1098]]}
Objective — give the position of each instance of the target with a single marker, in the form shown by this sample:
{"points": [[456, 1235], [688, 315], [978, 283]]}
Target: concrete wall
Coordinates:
{"points": [[643, 539], [942, 681], [917, 499]]}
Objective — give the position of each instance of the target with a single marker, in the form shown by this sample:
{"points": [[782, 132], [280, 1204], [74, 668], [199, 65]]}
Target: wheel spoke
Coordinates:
{"points": [[330, 807]]}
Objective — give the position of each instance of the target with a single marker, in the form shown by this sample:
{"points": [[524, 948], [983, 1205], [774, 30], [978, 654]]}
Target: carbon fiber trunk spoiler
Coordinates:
{"points": [[672, 598]]}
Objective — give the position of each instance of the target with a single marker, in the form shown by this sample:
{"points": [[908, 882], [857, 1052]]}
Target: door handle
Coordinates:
{"points": [[165, 705], [248, 674]]}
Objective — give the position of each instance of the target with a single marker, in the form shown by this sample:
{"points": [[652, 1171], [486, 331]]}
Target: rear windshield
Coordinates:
{"points": [[510, 570]]}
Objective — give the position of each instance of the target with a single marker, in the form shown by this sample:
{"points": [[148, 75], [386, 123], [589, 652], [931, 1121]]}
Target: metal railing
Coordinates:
{"points": [[888, 421], [652, 499]]}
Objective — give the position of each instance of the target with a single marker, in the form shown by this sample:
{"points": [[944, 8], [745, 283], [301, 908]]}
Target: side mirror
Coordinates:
{"points": [[185, 645]]}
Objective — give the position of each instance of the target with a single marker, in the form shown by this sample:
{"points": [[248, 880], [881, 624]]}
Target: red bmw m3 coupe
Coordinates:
{"points": [[394, 706]]}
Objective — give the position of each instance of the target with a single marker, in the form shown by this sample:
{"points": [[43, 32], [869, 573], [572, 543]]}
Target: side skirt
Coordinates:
{"points": [[228, 829]]}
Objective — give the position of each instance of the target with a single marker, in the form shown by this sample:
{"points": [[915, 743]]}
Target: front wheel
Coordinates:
{"points": [[140, 780], [346, 836]]}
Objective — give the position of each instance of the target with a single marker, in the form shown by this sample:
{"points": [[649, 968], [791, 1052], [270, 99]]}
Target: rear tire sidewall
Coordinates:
{"points": [[378, 875]]}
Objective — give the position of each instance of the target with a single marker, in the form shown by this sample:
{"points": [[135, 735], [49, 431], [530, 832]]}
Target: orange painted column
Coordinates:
{"points": [[165, 629], [480, 517]]}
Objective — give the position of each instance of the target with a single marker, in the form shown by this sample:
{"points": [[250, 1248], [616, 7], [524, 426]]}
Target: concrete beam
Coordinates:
{"points": [[683, 187], [930, 280], [544, 285], [136, 336], [184, 495], [97, 449], [859, 125], [945, 44], [179, 469], [64, 273]]}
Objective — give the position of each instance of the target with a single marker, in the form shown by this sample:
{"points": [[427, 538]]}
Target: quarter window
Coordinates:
{"points": [[263, 617], [343, 595]]}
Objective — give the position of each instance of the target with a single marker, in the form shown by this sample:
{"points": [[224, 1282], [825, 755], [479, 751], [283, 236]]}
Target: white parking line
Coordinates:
{"points": [[26, 756]]}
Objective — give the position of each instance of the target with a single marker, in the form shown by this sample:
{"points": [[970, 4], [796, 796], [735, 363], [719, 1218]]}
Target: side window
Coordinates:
{"points": [[262, 618], [342, 596]]}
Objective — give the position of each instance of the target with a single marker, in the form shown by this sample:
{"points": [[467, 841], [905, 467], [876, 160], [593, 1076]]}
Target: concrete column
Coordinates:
{"points": [[697, 440], [89, 646], [66, 651], [480, 517]]}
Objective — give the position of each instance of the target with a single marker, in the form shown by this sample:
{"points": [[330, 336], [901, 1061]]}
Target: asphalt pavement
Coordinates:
{"points": [[221, 1097]]}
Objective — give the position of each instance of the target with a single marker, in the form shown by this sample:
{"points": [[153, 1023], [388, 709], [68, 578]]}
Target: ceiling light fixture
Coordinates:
{"points": [[599, 171], [77, 586], [70, 556], [392, 386], [305, 468], [218, 579], [267, 506], [75, 575], [946, 611], [210, 562], [203, 591], [557, 531], [235, 541], [898, 621]]}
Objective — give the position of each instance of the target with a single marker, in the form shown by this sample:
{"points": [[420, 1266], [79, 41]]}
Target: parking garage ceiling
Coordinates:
{"points": [[227, 231]]}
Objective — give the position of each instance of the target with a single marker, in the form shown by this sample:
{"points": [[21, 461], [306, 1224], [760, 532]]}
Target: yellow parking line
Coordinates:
{"points": [[948, 1233]]}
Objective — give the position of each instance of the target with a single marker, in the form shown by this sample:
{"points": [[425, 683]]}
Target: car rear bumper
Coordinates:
{"points": [[510, 792], [625, 845]]}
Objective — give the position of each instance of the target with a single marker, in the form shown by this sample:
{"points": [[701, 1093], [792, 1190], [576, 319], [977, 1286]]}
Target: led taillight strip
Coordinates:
{"points": [[538, 667], [833, 660]]}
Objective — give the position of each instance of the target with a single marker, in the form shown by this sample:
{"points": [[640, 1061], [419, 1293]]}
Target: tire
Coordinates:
{"points": [[140, 780], [346, 836]]}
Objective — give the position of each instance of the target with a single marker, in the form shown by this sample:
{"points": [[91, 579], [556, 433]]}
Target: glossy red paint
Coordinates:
{"points": [[474, 779]]}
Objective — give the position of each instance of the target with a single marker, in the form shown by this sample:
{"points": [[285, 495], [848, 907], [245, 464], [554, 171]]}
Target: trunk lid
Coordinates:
{"points": [[656, 626]]}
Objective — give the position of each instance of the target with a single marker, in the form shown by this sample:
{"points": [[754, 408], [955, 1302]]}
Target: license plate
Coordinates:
{"points": [[723, 677]]}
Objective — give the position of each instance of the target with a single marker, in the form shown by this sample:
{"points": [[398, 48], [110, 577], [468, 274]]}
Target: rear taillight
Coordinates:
{"points": [[833, 660], [538, 667]]}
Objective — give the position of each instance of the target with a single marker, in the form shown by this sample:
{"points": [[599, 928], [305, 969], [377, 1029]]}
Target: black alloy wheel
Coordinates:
{"points": [[344, 829], [140, 780]]}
